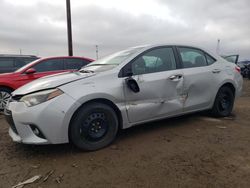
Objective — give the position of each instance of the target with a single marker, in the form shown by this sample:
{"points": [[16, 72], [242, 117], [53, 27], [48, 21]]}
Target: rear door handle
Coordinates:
{"points": [[216, 71], [175, 77]]}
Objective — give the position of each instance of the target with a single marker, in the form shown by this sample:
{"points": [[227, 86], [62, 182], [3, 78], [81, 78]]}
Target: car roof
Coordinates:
{"points": [[66, 57], [15, 55], [178, 44], [48, 58]]}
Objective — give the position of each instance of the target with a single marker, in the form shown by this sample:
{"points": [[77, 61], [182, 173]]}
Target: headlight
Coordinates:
{"points": [[40, 97]]}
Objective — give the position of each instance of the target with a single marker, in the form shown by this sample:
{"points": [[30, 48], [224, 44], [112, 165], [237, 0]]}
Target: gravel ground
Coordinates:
{"points": [[190, 151]]}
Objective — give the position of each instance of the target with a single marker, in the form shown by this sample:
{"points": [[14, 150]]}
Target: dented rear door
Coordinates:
{"points": [[199, 82]]}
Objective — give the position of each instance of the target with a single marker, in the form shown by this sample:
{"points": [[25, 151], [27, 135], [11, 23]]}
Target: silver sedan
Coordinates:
{"points": [[131, 87]]}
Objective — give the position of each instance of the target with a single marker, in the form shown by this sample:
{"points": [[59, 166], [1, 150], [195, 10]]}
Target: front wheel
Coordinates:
{"points": [[224, 101], [94, 126], [5, 94]]}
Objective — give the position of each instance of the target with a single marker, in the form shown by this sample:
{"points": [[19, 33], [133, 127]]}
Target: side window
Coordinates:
{"points": [[192, 57], [6, 62], [20, 62], [73, 63], [49, 65], [157, 60], [210, 60]]}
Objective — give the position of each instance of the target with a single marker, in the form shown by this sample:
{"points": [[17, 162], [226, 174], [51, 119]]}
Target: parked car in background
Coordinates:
{"points": [[244, 65], [131, 87], [10, 63], [245, 68], [37, 69]]}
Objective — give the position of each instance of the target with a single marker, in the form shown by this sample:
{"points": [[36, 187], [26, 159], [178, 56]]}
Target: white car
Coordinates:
{"points": [[133, 86]]}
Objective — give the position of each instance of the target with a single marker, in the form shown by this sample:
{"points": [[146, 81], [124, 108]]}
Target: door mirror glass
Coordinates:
{"points": [[132, 84], [30, 71]]}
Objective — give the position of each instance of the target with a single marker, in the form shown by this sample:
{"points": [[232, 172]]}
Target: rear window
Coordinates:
{"points": [[210, 59], [6, 62]]}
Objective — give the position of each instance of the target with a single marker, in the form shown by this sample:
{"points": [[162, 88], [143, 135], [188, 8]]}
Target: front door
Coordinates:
{"points": [[160, 84]]}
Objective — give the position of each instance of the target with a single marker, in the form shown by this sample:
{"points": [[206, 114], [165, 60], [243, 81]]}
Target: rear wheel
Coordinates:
{"points": [[5, 94], [223, 103], [94, 126]]}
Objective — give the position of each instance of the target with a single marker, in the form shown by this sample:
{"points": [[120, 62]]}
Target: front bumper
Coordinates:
{"points": [[51, 118], [9, 119]]}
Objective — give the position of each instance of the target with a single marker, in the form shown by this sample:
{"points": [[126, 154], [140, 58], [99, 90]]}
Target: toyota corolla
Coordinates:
{"points": [[131, 87]]}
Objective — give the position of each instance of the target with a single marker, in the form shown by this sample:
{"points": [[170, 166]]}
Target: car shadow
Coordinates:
{"points": [[123, 135], [159, 125]]}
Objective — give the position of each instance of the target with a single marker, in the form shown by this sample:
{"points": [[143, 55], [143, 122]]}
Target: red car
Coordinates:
{"points": [[37, 69]]}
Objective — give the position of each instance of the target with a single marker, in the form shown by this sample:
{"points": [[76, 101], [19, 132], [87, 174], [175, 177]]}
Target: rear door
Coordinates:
{"points": [[198, 72], [160, 81]]}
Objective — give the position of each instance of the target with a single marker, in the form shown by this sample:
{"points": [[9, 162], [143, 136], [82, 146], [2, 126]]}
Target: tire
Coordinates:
{"points": [[93, 127], [224, 102], [5, 94]]}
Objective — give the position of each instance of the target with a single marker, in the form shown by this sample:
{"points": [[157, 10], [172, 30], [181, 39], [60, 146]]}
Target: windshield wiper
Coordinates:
{"points": [[99, 65], [86, 71]]}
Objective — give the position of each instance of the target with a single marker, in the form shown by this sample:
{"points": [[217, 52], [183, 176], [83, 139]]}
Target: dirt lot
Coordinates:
{"points": [[191, 151]]}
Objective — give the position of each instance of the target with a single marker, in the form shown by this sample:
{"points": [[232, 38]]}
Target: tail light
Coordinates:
{"points": [[237, 68]]}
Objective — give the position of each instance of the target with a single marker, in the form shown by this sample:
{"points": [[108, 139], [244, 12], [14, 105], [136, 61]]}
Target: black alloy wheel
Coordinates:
{"points": [[224, 101], [93, 127]]}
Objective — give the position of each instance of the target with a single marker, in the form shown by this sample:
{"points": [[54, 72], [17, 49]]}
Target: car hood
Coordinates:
{"points": [[52, 81]]}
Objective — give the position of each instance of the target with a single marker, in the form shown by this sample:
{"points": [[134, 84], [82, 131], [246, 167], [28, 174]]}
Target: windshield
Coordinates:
{"points": [[25, 66], [110, 61]]}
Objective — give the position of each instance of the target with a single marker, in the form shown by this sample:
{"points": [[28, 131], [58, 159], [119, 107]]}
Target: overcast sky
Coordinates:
{"points": [[39, 26]]}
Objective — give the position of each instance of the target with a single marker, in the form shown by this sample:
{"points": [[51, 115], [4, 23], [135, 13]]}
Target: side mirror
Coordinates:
{"points": [[132, 84], [30, 71]]}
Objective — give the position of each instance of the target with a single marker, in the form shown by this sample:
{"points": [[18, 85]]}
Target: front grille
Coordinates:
{"points": [[9, 119]]}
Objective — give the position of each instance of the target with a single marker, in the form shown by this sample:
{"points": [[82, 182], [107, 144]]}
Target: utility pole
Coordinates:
{"points": [[69, 28], [96, 51], [218, 47]]}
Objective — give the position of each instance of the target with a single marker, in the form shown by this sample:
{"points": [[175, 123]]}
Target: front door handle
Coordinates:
{"points": [[216, 71], [175, 77]]}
